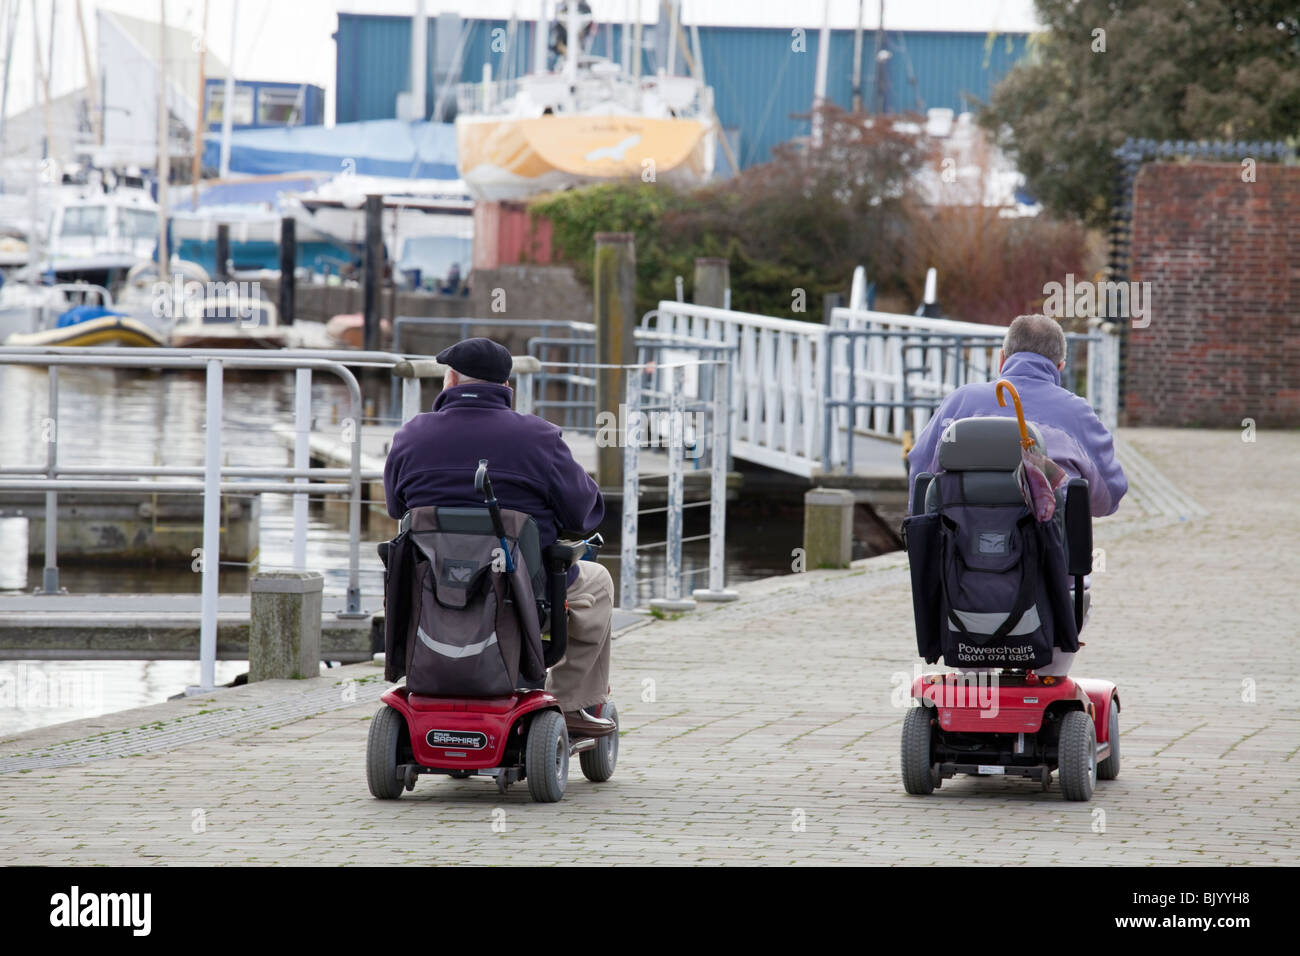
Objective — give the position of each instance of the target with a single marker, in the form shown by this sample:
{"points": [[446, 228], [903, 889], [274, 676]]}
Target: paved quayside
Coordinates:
{"points": [[763, 731]]}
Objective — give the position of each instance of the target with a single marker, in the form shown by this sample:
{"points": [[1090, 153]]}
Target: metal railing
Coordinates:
{"points": [[300, 480], [791, 377], [461, 326], [672, 419], [118, 478]]}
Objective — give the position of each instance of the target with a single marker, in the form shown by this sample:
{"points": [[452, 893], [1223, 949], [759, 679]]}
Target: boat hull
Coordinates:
{"points": [[106, 330], [504, 158]]}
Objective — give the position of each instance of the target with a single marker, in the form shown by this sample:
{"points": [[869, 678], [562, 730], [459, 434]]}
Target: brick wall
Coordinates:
{"points": [[1223, 260]]}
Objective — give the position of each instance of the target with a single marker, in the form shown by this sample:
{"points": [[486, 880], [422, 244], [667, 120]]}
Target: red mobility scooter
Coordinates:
{"points": [[482, 594], [992, 595]]}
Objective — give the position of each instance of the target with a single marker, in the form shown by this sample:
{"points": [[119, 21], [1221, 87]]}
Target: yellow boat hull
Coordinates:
{"points": [[105, 330], [513, 158]]}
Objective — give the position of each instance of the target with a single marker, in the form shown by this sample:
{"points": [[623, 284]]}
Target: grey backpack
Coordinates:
{"points": [[460, 624], [990, 583]]}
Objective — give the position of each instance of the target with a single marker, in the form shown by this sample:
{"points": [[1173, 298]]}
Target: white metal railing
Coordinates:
{"points": [[905, 369], [776, 380], [792, 380]]}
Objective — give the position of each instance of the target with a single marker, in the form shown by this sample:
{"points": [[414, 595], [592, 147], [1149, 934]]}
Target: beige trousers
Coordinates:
{"points": [[581, 678]]}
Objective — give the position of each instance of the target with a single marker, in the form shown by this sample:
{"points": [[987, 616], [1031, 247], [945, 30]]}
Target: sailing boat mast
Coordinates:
{"points": [[164, 153], [857, 60], [823, 61], [92, 93], [539, 39], [228, 100], [196, 168]]}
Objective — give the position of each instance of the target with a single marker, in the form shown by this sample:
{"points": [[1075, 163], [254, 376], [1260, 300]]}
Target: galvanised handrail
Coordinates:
{"points": [[788, 375], [213, 362]]}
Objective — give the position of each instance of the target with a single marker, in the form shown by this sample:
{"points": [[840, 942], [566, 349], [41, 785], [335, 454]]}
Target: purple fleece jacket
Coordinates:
{"points": [[1075, 437], [434, 456]]}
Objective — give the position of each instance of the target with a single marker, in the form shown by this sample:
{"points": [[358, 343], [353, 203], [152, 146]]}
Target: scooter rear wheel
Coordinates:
{"points": [[918, 772], [546, 759], [598, 763], [1077, 756], [385, 738]]}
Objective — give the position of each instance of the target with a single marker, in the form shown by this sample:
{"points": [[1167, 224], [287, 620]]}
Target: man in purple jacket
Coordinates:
{"points": [[1032, 358], [432, 462]]}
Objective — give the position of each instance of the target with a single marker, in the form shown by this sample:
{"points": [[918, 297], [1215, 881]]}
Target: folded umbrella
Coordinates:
{"points": [[1038, 475]]}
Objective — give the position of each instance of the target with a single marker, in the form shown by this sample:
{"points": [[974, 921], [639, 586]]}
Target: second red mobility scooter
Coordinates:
{"points": [[469, 598], [995, 590]]}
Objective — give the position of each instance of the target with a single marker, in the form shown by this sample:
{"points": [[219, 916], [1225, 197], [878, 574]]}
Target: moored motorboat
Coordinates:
{"points": [[109, 329]]}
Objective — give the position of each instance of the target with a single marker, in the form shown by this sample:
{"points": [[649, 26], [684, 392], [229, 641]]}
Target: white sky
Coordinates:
{"points": [[291, 40]]}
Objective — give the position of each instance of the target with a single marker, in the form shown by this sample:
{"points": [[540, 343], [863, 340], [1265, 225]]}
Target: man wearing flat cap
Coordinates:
{"points": [[432, 462]]}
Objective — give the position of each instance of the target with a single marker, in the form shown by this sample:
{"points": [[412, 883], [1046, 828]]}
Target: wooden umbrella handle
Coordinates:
{"points": [[1025, 440]]}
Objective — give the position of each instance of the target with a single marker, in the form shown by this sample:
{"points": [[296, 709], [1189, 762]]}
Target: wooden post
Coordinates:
{"points": [[223, 252], [288, 263], [374, 269], [712, 279], [615, 318]]}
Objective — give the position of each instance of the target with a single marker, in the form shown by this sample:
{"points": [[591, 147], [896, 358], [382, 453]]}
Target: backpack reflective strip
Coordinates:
{"points": [[453, 650], [987, 622]]}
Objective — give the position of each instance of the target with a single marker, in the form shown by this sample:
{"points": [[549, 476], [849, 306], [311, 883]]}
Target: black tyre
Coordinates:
{"points": [[1108, 769], [918, 773], [598, 763], [1077, 756], [387, 732], [546, 757]]}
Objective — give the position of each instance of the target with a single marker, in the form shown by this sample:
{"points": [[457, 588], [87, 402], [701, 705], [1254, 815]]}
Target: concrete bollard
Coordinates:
{"points": [[284, 625], [712, 279], [828, 528]]}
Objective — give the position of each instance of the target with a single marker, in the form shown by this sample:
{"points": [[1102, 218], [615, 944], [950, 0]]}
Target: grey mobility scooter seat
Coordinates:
{"points": [[986, 452]]}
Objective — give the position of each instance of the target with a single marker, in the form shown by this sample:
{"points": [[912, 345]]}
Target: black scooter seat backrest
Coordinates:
{"points": [[479, 521]]}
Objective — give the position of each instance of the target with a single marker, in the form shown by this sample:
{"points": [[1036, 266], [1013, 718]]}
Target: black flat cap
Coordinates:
{"points": [[479, 358]]}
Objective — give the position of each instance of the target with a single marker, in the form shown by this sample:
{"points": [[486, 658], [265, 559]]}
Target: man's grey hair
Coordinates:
{"points": [[1036, 333], [470, 380]]}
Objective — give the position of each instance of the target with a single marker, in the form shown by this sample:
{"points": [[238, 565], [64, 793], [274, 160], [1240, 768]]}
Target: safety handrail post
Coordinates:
{"points": [[673, 549], [718, 428], [301, 460], [50, 575], [631, 491], [210, 560]]}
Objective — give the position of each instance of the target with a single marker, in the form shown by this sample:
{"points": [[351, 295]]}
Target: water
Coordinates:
{"points": [[130, 417]]}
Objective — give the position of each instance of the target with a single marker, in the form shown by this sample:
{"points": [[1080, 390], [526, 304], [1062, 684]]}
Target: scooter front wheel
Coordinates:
{"points": [[546, 759], [598, 763], [385, 738]]}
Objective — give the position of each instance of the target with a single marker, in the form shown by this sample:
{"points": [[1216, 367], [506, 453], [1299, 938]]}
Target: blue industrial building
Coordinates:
{"points": [[762, 78]]}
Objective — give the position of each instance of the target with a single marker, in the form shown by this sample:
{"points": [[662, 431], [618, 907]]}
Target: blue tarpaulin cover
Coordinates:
{"points": [[83, 313], [419, 150]]}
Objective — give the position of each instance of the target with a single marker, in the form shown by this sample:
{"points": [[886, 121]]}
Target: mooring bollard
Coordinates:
{"points": [[284, 625], [828, 528]]}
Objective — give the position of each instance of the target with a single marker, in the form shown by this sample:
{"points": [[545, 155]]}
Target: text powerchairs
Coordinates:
{"points": [[992, 595], [469, 597]]}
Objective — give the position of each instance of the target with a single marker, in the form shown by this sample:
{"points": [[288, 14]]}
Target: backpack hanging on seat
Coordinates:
{"points": [[457, 624], [989, 581]]}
